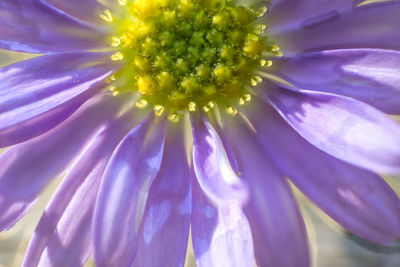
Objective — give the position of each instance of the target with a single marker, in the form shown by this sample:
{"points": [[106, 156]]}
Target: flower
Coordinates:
{"points": [[112, 101]]}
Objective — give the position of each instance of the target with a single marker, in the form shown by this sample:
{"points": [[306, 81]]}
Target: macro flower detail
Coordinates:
{"points": [[175, 118]]}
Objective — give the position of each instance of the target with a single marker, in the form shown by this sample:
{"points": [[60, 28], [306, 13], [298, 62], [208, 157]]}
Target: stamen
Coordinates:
{"points": [[185, 55], [142, 103], [192, 106], [107, 16], [231, 111], [117, 56], [173, 117], [158, 110]]}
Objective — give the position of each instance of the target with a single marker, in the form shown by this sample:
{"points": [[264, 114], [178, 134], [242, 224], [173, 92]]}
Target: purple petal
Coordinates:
{"points": [[211, 165], [278, 230], [38, 94], [343, 127], [369, 75], [220, 232], [34, 27], [283, 15], [338, 25], [359, 200], [165, 230], [63, 236], [84, 10], [124, 191], [27, 168]]}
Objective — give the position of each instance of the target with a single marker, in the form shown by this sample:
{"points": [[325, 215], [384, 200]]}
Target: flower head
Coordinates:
{"points": [[170, 116]]}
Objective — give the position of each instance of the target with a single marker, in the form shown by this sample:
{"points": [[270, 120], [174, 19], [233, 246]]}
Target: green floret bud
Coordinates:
{"points": [[188, 54]]}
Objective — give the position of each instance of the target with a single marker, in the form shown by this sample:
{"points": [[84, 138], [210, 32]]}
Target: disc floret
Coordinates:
{"points": [[181, 55]]}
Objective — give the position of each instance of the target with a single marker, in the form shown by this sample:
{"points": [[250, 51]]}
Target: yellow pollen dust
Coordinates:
{"points": [[188, 55]]}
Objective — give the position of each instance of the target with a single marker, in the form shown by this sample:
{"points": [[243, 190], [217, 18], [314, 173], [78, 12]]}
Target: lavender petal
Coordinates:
{"points": [[278, 230], [27, 168], [84, 10], [369, 75], [63, 235], [38, 94], [34, 27], [221, 234], [166, 219], [124, 191], [338, 25], [359, 200], [343, 127], [211, 165]]}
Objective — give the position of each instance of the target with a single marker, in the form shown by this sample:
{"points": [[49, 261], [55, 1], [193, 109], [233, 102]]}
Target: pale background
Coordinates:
{"points": [[331, 245]]}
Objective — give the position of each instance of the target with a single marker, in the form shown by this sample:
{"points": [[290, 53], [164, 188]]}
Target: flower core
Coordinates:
{"points": [[188, 54]]}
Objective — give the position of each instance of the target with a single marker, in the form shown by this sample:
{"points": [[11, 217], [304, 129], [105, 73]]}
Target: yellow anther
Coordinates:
{"points": [[142, 103], [210, 104], [146, 8], [117, 56], [106, 16], [260, 28], [258, 79], [192, 106], [111, 78], [261, 12], [206, 109], [173, 117], [231, 111], [253, 47], [275, 48], [115, 93], [158, 110], [241, 101], [253, 82], [115, 41], [265, 63], [247, 97], [146, 85], [122, 2], [112, 88], [279, 54]]}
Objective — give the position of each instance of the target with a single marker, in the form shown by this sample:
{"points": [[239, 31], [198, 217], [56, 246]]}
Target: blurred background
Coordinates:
{"points": [[331, 245]]}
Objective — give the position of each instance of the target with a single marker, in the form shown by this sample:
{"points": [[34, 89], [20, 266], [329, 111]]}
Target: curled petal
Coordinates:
{"points": [[38, 94], [84, 10], [285, 14], [166, 219], [32, 26], [63, 235], [211, 165], [335, 24], [278, 230], [28, 167], [359, 200], [343, 127], [124, 191], [221, 233], [369, 75]]}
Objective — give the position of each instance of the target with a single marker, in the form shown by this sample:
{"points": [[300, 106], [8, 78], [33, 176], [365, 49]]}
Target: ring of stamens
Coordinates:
{"points": [[184, 54]]}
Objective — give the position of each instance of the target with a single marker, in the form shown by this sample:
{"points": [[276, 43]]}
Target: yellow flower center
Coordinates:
{"points": [[181, 55]]}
